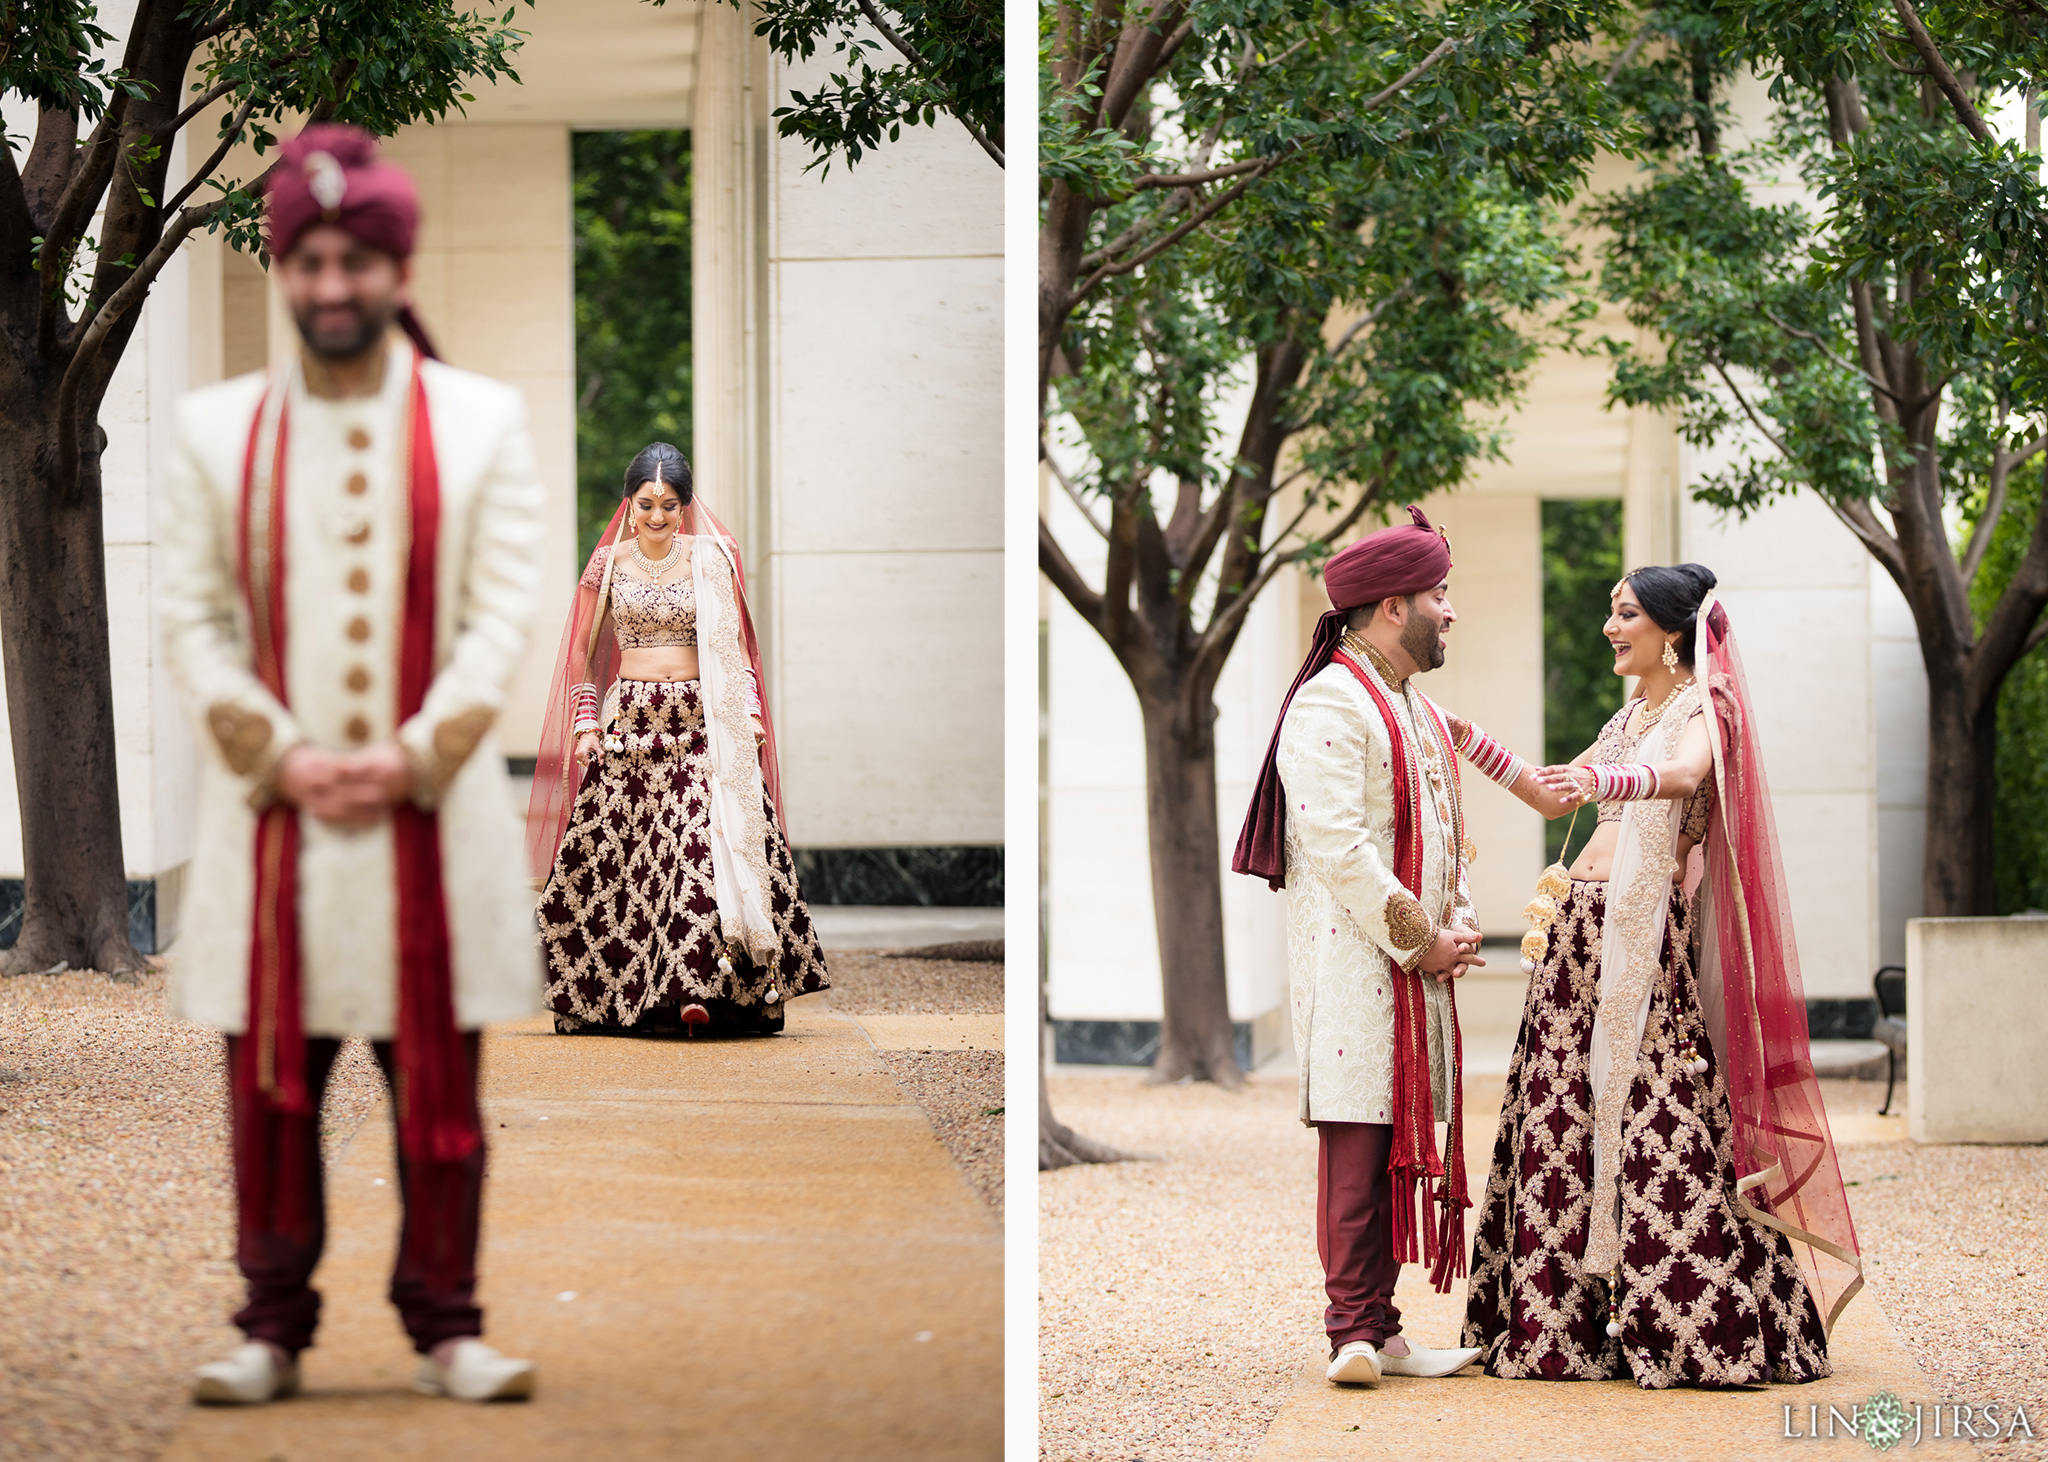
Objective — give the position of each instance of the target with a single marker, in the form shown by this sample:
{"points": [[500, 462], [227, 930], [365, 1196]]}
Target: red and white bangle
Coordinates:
{"points": [[1630, 782], [583, 707], [1494, 761], [753, 694]]}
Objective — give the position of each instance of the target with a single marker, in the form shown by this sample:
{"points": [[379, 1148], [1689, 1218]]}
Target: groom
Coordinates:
{"points": [[350, 551], [1357, 815]]}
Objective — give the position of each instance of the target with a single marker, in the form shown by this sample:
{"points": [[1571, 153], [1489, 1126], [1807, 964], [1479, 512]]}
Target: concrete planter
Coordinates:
{"points": [[1977, 1028]]}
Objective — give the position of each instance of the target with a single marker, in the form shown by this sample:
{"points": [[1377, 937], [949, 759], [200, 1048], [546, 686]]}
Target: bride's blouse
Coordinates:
{"points": [[647, 615], [1616, 744]]}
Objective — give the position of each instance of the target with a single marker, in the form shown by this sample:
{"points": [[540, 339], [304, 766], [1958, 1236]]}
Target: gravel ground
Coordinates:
{"points": [[116, 1225], [960, 1091], [1955, 1248], [869, 982], [1204, 1255]]}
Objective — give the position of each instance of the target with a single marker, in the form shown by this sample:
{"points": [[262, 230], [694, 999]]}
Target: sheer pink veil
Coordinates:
{"points": [[586, 655], [1754, 1003]]}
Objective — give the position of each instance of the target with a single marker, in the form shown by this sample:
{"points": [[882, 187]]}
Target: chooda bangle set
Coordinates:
{"points": [[1494, 761], [583, 707]]}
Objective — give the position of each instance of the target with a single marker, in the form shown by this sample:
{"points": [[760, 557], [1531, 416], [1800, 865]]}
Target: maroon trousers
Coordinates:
{"points": [[1354, 1231], [283, 1306]]}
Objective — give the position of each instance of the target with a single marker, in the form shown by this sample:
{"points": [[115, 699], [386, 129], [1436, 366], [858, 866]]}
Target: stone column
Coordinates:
{"points": [[729, 159]]}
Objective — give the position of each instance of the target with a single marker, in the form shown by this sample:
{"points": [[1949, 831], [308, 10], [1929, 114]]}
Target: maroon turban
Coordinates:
{"points": [[1389, 564], [330, 173]]}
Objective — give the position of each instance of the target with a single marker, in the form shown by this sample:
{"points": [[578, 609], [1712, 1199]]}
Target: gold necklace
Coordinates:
{"points": [[1357, 644], [1651, 717], [656, 570]]}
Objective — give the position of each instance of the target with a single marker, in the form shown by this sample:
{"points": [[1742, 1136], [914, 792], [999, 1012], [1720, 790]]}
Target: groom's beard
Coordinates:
{"points": [[1423, 641]]}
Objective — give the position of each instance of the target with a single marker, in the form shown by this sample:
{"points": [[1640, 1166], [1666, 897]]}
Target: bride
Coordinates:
{"points": [[1664, 1200], [668, 896]]}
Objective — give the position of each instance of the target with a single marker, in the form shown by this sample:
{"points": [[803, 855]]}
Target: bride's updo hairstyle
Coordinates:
{"points": [[1672, 597], [659, 459]]}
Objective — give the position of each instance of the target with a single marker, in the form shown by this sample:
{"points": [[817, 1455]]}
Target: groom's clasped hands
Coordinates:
{"points": [[1455, 951], [346, 789]]}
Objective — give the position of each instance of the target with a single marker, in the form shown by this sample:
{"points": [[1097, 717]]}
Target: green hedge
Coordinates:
{"points": [[1581, 561], [631, 198], [2019, 822]]}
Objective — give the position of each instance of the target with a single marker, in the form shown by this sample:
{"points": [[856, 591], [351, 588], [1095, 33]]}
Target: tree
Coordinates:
{"points": [[1334, 222], [631, 194], [69, 301], [1883, 350], [948, 57]]}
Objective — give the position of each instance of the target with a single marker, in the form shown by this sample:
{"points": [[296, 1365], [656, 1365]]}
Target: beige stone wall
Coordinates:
{"points": [[882, 440]]}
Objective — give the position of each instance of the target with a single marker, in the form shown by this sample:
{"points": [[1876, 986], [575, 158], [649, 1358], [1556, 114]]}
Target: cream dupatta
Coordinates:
{"points": [[739, 807], [1631, 943]]}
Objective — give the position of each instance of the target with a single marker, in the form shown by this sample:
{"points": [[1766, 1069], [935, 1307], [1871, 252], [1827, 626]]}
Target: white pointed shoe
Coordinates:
{"points": [[475, 1372], [248, 1377], [1422, 1361], [1357, 1363]]}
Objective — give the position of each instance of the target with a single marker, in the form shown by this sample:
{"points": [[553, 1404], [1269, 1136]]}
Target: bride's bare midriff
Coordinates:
{"points": [[1596, 859], [659, 662]]}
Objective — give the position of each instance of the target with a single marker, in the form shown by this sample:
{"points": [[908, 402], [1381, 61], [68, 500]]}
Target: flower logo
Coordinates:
{"points": [[1884, 1421]]}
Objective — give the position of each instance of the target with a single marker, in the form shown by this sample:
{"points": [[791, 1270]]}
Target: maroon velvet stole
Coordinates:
{"points": [[437, 1126], [1413, 1160]]}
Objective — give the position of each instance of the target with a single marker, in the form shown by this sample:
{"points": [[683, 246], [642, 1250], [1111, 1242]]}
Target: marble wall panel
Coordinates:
{"points": [[888, 397], [888, 698]]}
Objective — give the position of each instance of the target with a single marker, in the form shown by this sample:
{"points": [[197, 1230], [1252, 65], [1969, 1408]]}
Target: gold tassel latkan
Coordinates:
{"points": [[1542, 911]]}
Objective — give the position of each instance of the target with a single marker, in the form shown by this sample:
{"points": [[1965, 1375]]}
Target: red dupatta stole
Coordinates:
{"points": [[1414, 1161], [437, 1126]]}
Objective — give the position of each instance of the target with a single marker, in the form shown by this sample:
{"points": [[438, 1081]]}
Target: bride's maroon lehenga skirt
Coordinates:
{"points": [[628, 919], [1709, 1297]]}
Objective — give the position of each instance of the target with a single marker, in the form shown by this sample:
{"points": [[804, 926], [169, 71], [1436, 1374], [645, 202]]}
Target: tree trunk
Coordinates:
{"points": [[1195, 1037], [60, 703], [1956, 879]]}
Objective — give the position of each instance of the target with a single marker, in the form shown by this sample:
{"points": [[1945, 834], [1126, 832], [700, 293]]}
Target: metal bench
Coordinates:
{"points": [[1889, 985]]}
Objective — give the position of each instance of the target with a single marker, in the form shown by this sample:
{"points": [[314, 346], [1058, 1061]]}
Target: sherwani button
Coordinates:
{"points": [[357, 730], [359, 581], [359, 629], [358, 438], [357, 484], [360, 533], [358, 679]]}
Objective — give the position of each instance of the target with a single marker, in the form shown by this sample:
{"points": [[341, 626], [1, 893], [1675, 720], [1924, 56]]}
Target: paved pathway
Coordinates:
{"points": [[714, 1249]]}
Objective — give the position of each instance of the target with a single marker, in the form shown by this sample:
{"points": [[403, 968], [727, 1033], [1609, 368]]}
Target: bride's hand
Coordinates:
{"points": [[1567, 781], [586, 748], [1460, 727]]}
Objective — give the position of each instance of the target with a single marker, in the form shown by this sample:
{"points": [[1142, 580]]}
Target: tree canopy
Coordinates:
{"points": [[1850, 303], [937, 57]]}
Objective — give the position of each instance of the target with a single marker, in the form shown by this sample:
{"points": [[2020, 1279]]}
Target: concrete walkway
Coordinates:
{"points": [[713, 1249], [1474, 1415]]}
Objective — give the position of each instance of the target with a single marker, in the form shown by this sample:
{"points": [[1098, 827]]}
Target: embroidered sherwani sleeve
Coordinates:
{"points": [[204, 635], [495, 596], [1327, 751]]}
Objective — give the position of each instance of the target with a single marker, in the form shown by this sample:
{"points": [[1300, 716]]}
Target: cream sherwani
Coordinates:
{"points": [[1336, 766], [346, 523]]}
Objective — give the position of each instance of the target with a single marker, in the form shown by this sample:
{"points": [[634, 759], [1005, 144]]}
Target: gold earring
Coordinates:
{"points": [[1670, 656]]}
